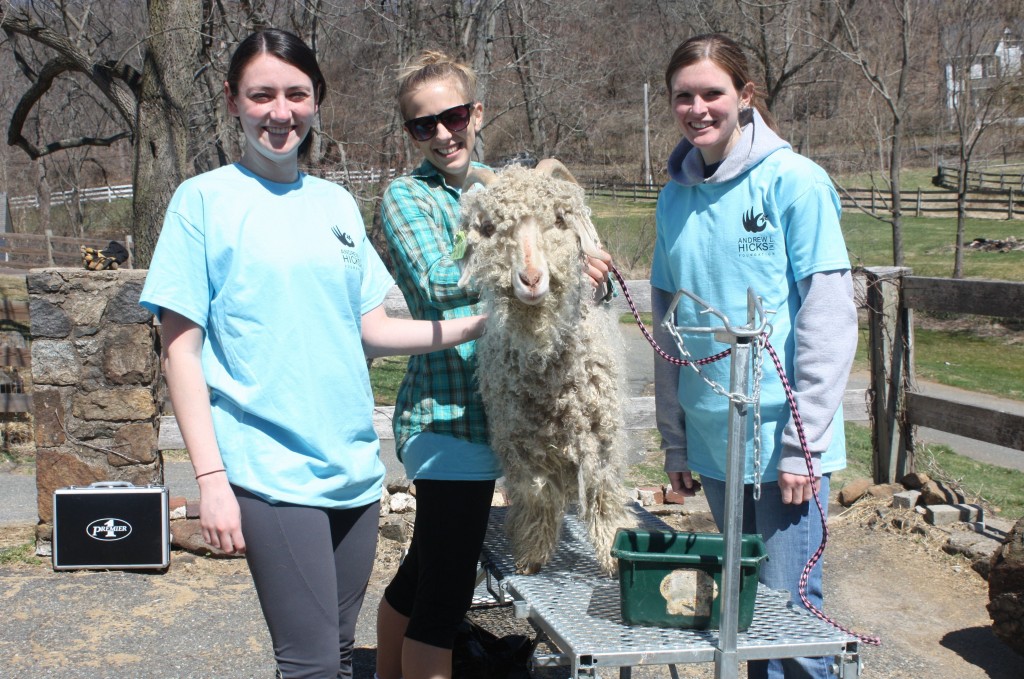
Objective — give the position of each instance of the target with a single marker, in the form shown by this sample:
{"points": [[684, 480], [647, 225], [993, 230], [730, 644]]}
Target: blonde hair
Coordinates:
{"points": [[431, 65]]}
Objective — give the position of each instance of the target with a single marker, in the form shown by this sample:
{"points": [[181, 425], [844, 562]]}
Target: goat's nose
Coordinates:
{"points": [[530, 277]]}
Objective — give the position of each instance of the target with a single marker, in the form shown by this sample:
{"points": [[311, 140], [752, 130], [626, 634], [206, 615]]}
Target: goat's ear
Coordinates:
{"points": [[590, 242], [465, 270], [463, 252]]}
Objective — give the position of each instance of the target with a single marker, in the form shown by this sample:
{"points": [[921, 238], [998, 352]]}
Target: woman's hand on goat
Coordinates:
{"points": [[386, 336]]}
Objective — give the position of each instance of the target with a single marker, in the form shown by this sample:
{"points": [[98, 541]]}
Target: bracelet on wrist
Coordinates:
{"points": [[212, 471]]}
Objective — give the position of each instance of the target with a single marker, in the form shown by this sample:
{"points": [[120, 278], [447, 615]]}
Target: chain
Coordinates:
{"points": [[759, 344], [695, 364]]}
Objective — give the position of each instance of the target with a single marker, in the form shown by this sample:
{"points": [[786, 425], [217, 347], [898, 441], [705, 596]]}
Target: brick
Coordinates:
{"points": [[970, 513], [944, 515], [651, 495], [941, 515], [906, 500]]}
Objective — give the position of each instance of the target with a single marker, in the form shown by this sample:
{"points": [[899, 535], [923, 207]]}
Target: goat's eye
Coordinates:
{"points": [[561, 222], [487, 229]]}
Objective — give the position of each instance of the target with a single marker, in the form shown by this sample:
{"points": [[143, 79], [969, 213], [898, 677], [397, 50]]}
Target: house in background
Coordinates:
{"points": [[982, 63]]}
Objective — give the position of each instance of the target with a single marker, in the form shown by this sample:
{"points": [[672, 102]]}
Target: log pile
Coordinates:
{"points": [[110, 257]]}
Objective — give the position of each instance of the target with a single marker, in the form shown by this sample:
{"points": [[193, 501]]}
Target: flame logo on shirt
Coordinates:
{"points": [[752, 223], [343, 237]]}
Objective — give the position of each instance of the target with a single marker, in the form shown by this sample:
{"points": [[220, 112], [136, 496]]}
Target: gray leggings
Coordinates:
{"points": [[310, 566]]}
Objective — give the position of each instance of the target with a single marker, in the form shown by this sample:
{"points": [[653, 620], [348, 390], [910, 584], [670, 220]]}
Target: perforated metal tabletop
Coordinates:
{"points": [[577, 609]]}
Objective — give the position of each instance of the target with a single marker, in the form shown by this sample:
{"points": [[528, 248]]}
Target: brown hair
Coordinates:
{"points": [[432, 65], [290, 49], [725, 53], [282, 45]]}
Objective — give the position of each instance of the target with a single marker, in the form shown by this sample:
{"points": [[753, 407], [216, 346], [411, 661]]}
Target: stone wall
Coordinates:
{"points": [[95, 371]]}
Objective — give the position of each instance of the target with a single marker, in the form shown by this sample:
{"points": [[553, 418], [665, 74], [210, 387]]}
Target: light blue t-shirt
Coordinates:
{"points": [[427, 455], [278, 276], [775, 223]]}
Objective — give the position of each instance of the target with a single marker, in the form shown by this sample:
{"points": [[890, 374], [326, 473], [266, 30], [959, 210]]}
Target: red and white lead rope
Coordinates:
{"points": [[813, 561]]}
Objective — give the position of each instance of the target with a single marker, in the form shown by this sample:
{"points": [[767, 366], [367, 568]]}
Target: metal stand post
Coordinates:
{"points": [[742, 340]]}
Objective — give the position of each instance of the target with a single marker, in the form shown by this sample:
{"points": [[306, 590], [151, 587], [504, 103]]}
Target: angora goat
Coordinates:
{"points": [[547, 364]]}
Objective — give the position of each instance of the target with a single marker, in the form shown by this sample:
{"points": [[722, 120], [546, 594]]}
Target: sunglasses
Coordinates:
{"points": [[455, 119]]}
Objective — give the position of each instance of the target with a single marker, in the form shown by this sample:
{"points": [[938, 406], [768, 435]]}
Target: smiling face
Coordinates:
{"points": [[707, 105], [450, 152], [276, 105]]}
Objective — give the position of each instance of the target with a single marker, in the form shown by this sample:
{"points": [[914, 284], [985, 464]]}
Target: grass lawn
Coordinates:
{"points": [[962, 359], [928, 245], [910, 180]]}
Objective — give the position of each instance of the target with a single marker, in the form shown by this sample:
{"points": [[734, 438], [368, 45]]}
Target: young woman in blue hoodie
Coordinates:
{"points": [[743, 210]]}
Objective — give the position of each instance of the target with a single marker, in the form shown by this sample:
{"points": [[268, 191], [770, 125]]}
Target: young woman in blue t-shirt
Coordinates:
{"points": [[270, 300], [743, 210]]}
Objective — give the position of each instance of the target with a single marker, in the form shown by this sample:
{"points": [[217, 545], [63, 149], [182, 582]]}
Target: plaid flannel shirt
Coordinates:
{"points": [[420, 217]]}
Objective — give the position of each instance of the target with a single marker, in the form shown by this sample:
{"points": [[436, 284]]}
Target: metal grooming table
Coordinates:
{"points": [[576, 611]]}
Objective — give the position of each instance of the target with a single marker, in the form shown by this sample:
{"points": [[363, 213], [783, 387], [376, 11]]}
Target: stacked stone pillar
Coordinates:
{"points": [[95, 372]]}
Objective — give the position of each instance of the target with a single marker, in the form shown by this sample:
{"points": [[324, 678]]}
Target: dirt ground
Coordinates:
{"points": [[928, 608]]}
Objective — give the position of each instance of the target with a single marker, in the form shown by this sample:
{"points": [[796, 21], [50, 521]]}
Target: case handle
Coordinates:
{"points": [[112, 484]]}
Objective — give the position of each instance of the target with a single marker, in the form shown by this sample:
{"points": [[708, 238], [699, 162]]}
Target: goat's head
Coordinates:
{"points": [[526, 231]]}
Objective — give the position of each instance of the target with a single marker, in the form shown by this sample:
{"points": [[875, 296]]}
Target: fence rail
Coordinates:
{"points": [[993, 179], [919, 203], [33, 250], [897, 405], [126, 191], [92, 195], [993, 195], [13, 360], [937, 203]]}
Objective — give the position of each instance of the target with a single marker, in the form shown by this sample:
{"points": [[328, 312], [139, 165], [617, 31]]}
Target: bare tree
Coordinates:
{"points": [[887, 71], [981, 45], [162, 131]]}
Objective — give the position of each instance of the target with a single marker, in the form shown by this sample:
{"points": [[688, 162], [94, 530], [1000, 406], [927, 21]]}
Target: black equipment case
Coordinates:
{"points": [[111, 524]]}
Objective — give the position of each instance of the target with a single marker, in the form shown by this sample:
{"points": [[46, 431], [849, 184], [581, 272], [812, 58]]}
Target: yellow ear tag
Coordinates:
{"points": [[459, 248]]}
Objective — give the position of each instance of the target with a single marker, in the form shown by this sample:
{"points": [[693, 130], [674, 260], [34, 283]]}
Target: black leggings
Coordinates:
{"points": [[310, 566], [434, 585]]}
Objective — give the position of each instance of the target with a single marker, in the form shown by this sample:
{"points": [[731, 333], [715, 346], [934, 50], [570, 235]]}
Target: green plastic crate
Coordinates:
{"points": [[671, 579]]}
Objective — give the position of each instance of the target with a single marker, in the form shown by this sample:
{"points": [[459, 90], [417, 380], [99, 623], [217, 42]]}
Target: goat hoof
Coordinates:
{"points": [[528, 569]]}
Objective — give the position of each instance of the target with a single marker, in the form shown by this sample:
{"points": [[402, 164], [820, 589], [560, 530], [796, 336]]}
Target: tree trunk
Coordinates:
{"points": [[895, 191], [479, 38], [961, 218], [161, 145], [522, 46]]}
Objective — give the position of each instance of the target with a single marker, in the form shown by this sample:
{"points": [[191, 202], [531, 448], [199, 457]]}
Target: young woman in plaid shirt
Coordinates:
{"points": [[440, 425]]}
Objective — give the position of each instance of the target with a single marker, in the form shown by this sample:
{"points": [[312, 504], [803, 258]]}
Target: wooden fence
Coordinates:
{"points": [[919, 203], [896, 404], [998, 179], [108, 194], [105, 194], [936, 203], [32, 250], [14, 361]]}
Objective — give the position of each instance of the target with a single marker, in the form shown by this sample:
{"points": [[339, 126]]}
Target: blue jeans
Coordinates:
{"points": [[792, 534]]}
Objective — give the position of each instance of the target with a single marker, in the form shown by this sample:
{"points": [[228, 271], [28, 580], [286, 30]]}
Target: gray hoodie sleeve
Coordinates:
{"points": [[667, 409], [826, 339]]}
